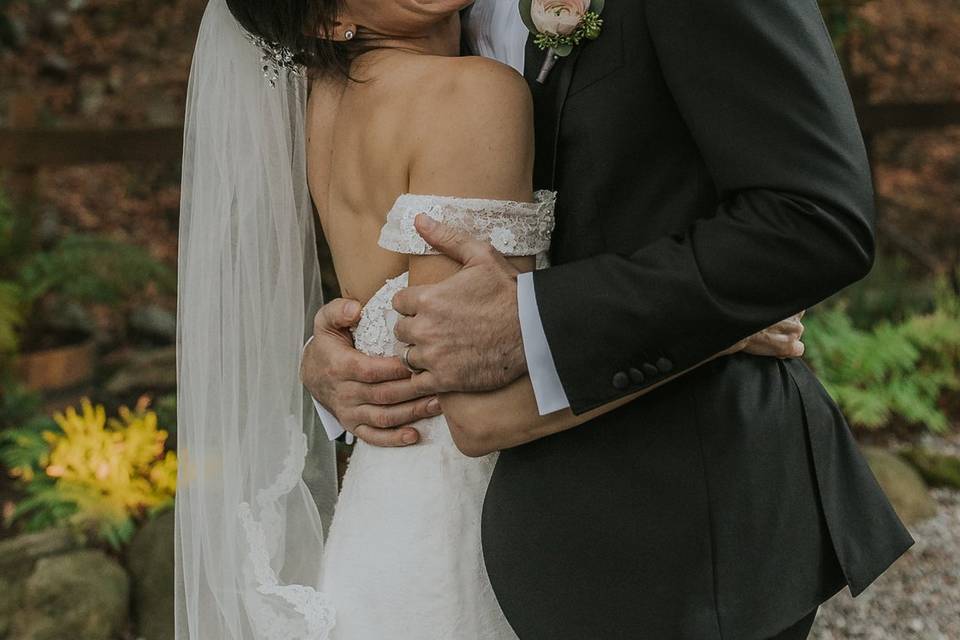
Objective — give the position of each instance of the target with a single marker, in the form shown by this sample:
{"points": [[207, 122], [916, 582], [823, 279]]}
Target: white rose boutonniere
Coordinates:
{"points": [[560, 25]]}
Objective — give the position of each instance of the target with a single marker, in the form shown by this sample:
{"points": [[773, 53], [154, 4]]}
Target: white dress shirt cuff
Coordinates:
{"points": [[329, 421], [540, 365]]}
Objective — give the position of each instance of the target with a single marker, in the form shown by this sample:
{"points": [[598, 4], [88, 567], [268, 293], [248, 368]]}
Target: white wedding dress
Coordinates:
{"points": [[403, 559]]}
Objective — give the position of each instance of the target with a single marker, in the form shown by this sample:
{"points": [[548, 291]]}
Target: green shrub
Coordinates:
{"points": [[91, 270], [894, 369], [76, 269]]}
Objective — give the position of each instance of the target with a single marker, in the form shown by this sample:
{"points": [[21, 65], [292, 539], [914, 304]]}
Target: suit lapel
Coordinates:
{"points": [[549, 100], [565, 71]]}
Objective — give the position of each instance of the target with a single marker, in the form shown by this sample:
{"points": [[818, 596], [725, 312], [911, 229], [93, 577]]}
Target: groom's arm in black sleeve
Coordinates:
{"points": [[760, 87]]}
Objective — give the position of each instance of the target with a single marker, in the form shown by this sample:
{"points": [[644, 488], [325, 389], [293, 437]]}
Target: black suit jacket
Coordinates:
{"points": [[712, 182]]}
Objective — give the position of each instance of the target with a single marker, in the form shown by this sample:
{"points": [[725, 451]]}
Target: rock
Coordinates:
{"points": [[26, 549], [150, 561], [9, 603], [902, 484], [154, 370], [85, 592], [937, 469], [154, 322], [17, 558]]}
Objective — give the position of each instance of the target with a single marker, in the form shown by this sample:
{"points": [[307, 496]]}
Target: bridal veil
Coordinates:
{"points": [[257, 481]]}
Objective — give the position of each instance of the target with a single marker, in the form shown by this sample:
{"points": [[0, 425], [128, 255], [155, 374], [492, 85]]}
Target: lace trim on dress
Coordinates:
{"points": [[374, 333], [316, 616], [513, 228]]}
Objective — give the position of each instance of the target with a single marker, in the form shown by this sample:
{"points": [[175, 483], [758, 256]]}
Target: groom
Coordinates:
{"points": [[712, 180]]}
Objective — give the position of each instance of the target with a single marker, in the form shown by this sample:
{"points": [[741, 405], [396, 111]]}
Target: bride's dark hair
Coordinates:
{"points": [[298, 25]]}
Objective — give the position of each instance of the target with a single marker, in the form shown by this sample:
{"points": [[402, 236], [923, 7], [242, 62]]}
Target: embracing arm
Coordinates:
{"points": [[484, 152], [483, 422], [791, 229]]}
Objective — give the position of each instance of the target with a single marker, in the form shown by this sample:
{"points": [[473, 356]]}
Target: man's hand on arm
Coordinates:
{"points": [[465, 330], [374, 398], [456, 323]]}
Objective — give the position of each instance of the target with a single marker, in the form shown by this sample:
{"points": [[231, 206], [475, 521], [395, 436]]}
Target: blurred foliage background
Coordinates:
{"points": [[87, 287]]}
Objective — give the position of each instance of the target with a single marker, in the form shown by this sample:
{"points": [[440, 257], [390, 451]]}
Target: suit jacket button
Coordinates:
{"points": [[637, 376], [651, 370], [664, 365], [621, 381]]}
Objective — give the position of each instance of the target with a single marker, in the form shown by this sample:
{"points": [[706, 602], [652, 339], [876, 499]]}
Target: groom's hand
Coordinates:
{"points": [[374, 398], [465, 331], [782, 340]]}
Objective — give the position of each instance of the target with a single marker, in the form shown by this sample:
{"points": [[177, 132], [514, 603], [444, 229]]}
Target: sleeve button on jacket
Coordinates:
{"points": [[621, 381], [664, 365]]}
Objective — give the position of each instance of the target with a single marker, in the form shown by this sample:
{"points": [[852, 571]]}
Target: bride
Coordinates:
{"points": [[388, 117]]}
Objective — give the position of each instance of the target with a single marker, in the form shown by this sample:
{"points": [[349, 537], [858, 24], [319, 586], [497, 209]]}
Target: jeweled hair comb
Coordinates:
{"points": [[274, 57]]}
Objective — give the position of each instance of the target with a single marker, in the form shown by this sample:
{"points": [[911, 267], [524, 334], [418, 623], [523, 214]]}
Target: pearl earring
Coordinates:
{"points": [[348, 34]]}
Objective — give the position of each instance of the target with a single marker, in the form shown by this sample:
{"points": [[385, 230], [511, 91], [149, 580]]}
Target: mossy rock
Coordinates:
{"points": [[83, 595], [9, 603], [18, 556], [937, 469], [903, 485], [150, 559]]}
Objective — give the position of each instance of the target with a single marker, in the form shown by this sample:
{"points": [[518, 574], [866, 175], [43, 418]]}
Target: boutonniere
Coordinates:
{"points": [[560, 25]]}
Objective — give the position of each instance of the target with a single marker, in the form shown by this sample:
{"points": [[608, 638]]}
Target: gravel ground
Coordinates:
{"points": [[918, 598]]}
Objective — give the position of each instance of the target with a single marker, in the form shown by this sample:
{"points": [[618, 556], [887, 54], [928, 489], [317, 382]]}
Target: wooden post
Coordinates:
{"points": [[22, 181]]}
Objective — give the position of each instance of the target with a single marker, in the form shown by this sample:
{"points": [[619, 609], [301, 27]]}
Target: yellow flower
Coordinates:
{"points": [[119, 465]]}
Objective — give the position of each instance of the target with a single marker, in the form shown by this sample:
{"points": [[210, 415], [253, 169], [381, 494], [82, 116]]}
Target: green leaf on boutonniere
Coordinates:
{"points": [[557, 45], [589, 29]]}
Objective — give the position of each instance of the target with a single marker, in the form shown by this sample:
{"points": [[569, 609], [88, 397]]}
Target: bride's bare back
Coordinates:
{"points": [[413, 123]]}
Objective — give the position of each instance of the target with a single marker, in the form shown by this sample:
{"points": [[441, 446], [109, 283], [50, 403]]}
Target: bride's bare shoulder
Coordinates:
{"points": [[474, 122], [471, 81]]}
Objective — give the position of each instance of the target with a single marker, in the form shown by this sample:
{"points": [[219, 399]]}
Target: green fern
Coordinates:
{"points": [[24, 450], [91, 270], [892, 370], [45, 506]]}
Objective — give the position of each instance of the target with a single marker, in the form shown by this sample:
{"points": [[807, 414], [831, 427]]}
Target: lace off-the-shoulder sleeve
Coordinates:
{"points": [[513, 228]]}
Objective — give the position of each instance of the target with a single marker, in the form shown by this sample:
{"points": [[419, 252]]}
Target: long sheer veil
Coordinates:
{"points": [[257, 480]]}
